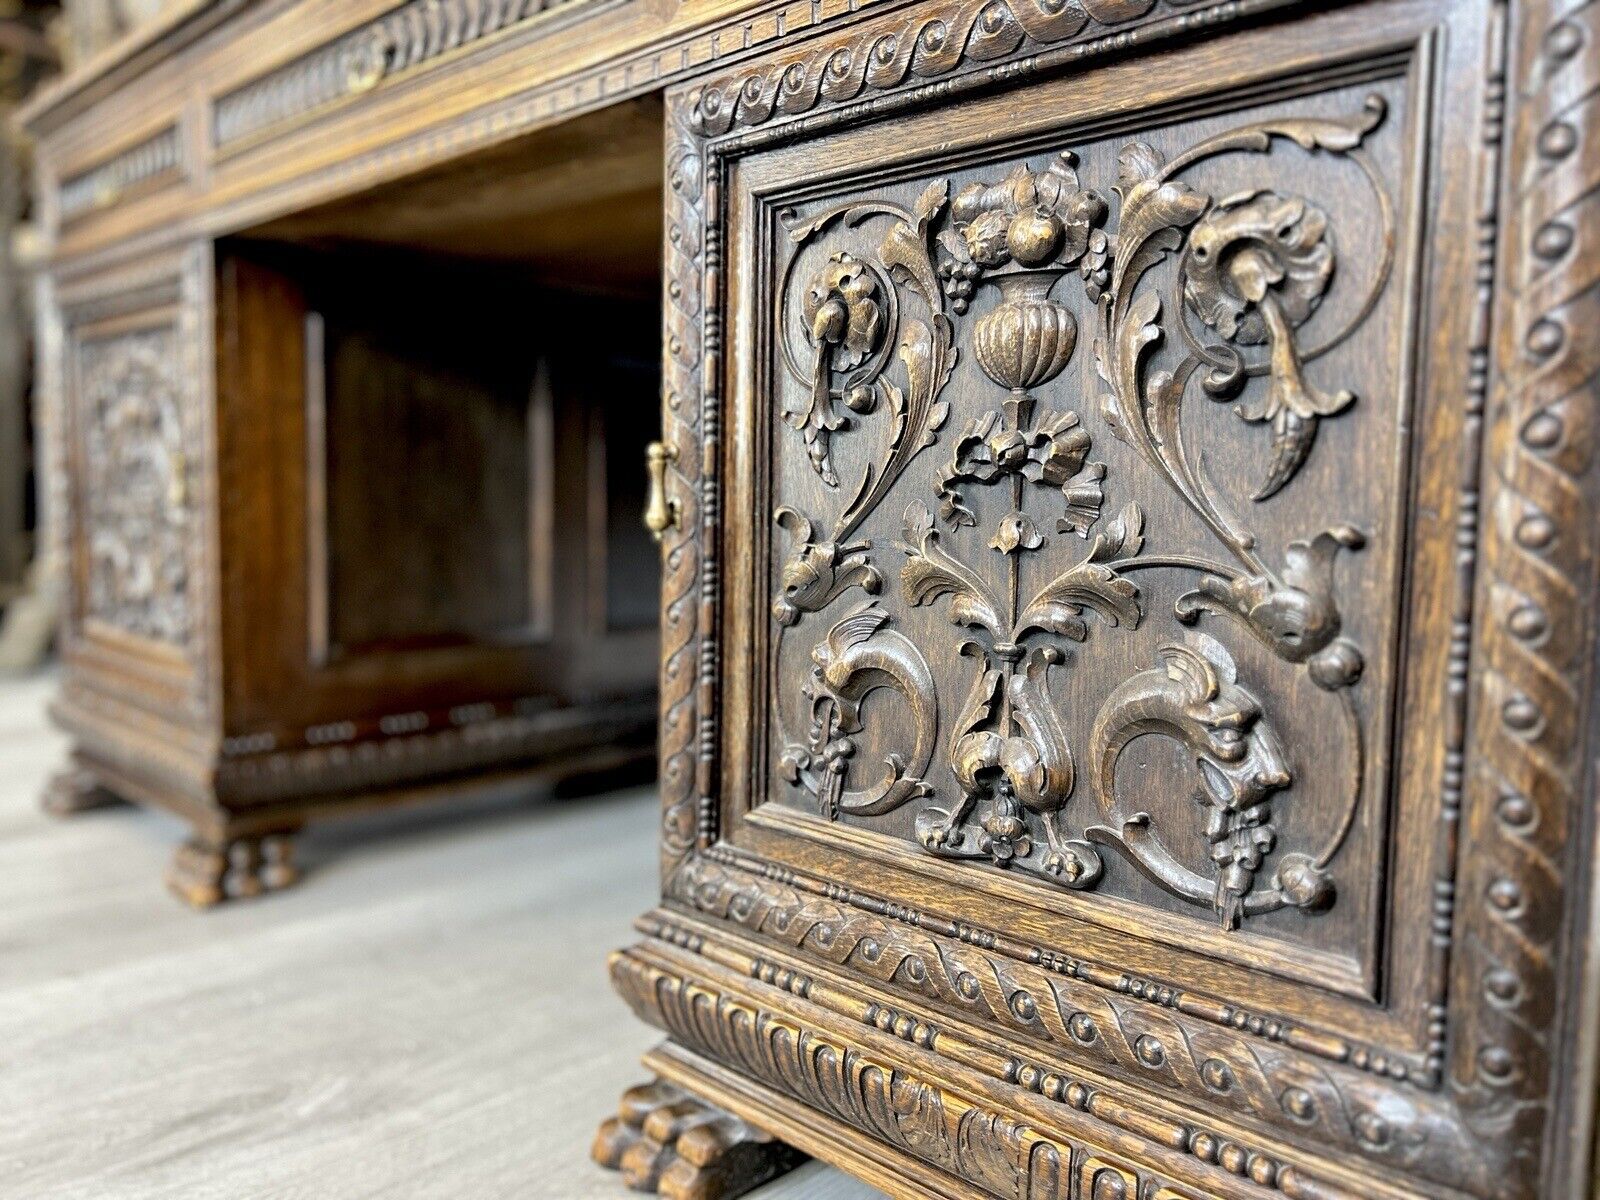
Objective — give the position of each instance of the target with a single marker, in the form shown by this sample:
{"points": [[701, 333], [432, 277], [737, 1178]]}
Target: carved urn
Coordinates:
{"points": [[1028, 339]]}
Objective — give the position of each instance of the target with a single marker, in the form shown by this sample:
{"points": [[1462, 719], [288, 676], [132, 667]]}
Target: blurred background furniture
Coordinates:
{"points": [[384, 1032], [1129, 541], [352, 497]]}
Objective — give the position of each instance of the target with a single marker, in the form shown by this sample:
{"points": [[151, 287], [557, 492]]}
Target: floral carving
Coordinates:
{"points": [[1253, 268], [1009, 747], [852, 318], [1051, 453], [1250, 271]]}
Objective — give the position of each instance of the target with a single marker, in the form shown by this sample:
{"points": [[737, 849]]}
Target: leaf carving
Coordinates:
{"points": [[929, 356], [1091, 586], [904, 249], [929, 573]]}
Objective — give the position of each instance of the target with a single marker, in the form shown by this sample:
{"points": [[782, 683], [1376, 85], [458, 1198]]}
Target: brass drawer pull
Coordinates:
{"points": [[660, 513]]}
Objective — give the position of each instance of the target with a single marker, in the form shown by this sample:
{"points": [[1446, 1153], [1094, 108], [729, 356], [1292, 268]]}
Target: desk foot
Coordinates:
{"points": [[666, 1141], [204, 873]]}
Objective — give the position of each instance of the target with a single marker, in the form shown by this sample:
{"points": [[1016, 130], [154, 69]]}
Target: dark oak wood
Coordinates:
{"points": [[667, 1141], [1128, 543]]}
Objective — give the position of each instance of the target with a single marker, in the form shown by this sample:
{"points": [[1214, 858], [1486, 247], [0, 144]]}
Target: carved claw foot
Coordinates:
{"points": [[666, 1141], [75, 790], [205, 873]]}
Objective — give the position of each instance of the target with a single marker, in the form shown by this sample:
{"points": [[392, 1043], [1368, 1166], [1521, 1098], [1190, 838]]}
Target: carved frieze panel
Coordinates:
{"points": [[137, 506], [144, 164], [1087, 473]]}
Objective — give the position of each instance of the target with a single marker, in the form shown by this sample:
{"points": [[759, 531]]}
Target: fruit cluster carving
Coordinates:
{"points": [[1248, 272]]}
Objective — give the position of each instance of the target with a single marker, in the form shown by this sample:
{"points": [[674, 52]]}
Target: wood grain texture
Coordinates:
{"points": [[382, 1033], [1128, 522]]}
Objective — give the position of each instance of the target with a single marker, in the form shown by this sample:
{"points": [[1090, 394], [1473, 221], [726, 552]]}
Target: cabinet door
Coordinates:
{"points": [[124, 361], [1085, 610]]}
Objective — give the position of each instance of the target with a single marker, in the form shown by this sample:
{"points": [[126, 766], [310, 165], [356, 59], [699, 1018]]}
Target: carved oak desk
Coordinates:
{"points": [[1129, 540]]}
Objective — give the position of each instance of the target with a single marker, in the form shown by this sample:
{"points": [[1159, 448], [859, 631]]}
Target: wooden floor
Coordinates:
{"points": [[385, 1029]]}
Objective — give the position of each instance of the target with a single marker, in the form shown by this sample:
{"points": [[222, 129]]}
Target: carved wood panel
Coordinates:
{"points": [[137, 491], [1088, 465], [1129, 635]]}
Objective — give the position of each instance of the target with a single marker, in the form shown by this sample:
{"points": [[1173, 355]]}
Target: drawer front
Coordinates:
{"points": [[1082, 627]]}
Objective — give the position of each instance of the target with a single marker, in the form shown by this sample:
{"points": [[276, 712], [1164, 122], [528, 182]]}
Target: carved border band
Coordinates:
{"points": [[399, 753], [413, 34], [819, 1048], [688, 582], [1533, 629], [257, 769], [1153, 1035], [143, 164]]}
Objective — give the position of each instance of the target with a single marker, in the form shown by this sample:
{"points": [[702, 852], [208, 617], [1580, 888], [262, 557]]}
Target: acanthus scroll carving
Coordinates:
{"points": [[1248, 274], [860, 656]]}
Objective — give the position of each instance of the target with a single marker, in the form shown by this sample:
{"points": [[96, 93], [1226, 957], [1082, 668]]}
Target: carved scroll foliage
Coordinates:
{"points": [[1249, 272], [138, 507], [1195, 698], [851, 314], [857, 657]]}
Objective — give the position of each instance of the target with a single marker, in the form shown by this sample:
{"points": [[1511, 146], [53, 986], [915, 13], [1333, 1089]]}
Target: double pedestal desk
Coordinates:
{"points": [[1125, 476]]}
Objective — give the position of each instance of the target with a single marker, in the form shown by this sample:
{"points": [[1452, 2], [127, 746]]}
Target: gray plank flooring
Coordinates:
{"points": [[426, 1015]]}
